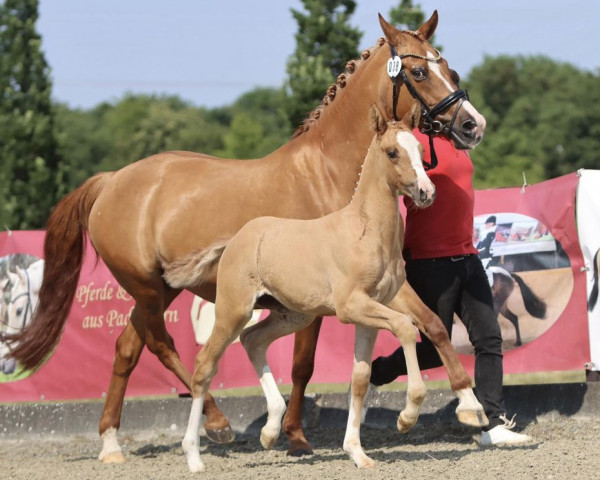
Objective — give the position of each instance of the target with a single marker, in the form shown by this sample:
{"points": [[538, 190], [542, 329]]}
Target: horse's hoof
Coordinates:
{"points": [[472, 418], [403, 425], [299, 447], [220, 435], [300, 452], [114, 457]]}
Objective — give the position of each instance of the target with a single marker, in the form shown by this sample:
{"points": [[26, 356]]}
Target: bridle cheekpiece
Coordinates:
{"points": [[429, 125]]}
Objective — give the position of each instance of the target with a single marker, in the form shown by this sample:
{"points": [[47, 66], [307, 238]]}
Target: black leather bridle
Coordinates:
{"points": [[429, 125]]}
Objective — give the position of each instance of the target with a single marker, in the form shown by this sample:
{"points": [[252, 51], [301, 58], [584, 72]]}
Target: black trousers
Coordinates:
{"points": [[455, 285]]}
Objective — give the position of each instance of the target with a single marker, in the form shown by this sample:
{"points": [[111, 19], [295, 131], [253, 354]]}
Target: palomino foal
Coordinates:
{"points": [[348, 263]]}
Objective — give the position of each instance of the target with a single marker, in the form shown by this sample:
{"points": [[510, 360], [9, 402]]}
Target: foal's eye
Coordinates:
{"points": [[419, 74], [19, 311], [393, 153]]}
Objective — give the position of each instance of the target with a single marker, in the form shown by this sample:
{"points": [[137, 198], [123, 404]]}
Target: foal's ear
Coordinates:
{"points": [[412, 118], [428, 28], [377, 121]]}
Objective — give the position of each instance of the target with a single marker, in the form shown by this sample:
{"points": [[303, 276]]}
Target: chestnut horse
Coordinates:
{"points": [[160, 211], [314, 267]]}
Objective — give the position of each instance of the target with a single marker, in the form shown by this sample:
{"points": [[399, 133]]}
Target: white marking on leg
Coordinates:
{"points": [[275, 408], [191, 440], [467, 400], [110, 443]]}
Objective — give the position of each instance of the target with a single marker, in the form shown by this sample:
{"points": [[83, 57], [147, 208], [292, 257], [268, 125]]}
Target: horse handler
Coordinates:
{"points": [[443, 268]]}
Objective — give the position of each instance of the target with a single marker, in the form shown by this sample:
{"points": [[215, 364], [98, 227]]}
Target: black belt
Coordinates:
{"points": [[453, 258]]}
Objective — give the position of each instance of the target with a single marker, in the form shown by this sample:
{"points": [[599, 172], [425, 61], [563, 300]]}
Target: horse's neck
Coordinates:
{"points": [[375, 200], [334, 146]]}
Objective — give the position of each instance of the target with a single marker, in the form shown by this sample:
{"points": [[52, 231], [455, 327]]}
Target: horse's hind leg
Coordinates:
{"points": [[469, 410], [256, 340], [305, 345], [514, 319], [229, 322]]}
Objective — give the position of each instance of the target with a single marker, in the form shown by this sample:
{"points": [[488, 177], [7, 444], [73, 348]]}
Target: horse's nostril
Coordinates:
{"points": [[469, 125], [422, 195]]}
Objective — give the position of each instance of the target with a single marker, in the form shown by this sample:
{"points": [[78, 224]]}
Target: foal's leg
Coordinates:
{"points": [[469, 410], [305, 345], [360, 309], [229, 322], [256, 340], [364, 342]]}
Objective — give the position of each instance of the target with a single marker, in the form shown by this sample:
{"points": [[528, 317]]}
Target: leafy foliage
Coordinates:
{"points": [[543, 116], [30, 168], [324, 43], [542, 119]]}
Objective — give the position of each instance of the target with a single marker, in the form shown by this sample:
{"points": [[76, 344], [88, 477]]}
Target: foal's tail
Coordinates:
{"points": [[594, 293], [64, 246], [534, 305]]}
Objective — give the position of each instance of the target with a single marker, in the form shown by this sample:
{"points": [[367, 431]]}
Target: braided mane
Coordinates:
{"points": [[332, 91]]}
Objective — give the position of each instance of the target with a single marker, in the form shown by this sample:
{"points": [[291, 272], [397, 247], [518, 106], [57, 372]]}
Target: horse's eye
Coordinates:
{"points": [[19, 310], [419, 74], [393, 153]]}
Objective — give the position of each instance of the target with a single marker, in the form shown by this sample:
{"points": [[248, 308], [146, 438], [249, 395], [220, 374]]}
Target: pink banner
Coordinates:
{"points": [[539, 222]]}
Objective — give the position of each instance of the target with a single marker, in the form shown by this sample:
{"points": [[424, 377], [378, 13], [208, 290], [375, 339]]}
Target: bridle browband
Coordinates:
{"points": [[429, 125]]}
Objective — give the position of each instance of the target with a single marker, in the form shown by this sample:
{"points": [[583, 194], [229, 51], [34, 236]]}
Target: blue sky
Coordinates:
{"points": [[210, 52]]}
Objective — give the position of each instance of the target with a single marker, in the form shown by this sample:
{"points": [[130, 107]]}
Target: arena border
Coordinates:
{"points": [[532, 403]]}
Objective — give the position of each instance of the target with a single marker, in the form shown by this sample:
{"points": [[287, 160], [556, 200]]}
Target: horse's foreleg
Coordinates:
{"points": [[364, 342], [416, 390], [469, 410], [305, 345]]}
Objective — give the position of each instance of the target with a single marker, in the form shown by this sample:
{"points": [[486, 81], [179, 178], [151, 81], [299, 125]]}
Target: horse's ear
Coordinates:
{"points": [[428, 28], [412, 118], [378, 123], [389, 30], [21, 273]]}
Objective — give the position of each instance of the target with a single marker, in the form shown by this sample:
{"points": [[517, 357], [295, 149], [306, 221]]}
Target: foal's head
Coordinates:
{"points": [[395, 141]]}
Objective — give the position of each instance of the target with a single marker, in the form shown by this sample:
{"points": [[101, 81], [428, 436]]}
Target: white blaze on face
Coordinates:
{"points": [[408, 141], [434, 67]]}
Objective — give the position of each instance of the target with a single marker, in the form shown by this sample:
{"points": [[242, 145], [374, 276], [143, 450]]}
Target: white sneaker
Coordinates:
{"points": [[502, 435]]}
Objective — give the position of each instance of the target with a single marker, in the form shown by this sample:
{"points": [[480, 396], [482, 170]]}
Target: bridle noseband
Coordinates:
{"points": [[429, 125]]}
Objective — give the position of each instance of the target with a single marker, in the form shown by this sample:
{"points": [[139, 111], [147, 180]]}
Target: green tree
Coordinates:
{"points": [[324, 43], [259, 124], [543, 119], [29, 169]]}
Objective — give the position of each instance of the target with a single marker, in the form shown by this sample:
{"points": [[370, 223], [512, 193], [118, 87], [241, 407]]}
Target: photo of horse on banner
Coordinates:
{"points": [[526, 303], [19, 293]]}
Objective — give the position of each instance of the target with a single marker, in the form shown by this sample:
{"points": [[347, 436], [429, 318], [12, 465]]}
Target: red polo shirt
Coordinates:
{"points": [[445, 228]]}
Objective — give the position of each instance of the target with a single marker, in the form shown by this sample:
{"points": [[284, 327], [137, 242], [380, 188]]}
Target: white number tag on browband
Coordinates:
{"points": [[394, 65]]}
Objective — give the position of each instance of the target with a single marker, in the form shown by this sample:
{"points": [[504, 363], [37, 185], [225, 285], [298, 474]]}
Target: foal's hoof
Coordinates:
{"points": [[220, 435], [473, 418], [114, 457], [403, 424]]}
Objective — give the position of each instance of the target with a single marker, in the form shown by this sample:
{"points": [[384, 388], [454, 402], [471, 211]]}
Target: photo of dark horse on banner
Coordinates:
{"points": [[526, 267]]}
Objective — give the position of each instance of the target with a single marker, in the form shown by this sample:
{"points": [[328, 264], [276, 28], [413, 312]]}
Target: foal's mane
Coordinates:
{"points": [[351, 67]]}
